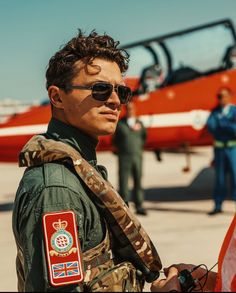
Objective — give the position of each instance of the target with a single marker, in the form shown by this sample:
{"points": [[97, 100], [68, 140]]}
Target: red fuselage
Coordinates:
{"points": [[174, 116]]}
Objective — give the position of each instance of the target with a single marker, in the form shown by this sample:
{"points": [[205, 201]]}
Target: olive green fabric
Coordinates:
{"points": [[132, 241], [53, 187], [131, 165], [129, 141], [44, 189], [106, 275], [130, 145]]}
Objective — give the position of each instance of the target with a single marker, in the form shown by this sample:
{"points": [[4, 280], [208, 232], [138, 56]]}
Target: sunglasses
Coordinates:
{"points": [[101, 91]]}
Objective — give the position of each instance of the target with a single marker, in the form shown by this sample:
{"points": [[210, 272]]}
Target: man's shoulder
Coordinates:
{"points": [[140, 122], [48, 175], [217, 109]]}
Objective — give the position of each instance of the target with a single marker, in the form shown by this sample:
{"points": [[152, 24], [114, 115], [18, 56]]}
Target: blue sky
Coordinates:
{"points": [[32, 31]]}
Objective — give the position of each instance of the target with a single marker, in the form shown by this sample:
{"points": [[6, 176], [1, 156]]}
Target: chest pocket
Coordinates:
{"points": [[120, 278], [102, 274]]}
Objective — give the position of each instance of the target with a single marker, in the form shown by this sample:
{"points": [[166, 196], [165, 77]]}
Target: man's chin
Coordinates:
{"points": [[108, 131]]}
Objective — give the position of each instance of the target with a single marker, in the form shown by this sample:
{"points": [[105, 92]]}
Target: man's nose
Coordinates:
{"points": [[113, 99]]}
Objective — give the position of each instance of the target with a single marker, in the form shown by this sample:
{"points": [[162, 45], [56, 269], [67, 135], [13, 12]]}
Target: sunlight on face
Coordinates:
{"points": [[82, 111]]}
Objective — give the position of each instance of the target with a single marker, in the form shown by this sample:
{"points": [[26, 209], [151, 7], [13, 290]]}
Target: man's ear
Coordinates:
{"points": [[55, 97]]}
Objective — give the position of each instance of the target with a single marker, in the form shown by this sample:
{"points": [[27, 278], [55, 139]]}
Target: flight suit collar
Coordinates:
{"points": [[85, 144]]}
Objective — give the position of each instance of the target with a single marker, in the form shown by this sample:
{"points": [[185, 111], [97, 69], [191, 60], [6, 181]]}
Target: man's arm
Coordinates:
{"points": [[222, 124], [212, 124], [36, 272], [144, 132], [228, 126]]}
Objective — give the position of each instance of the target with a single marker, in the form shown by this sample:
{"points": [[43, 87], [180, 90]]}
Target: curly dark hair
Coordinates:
{"points": [[61, 68]]}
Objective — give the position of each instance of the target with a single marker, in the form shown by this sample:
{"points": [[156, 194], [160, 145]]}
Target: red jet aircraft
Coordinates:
{"points": [[174, 78]]}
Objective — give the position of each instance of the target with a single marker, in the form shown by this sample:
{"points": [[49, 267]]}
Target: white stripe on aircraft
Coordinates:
{"points": [[23, 130], [196, 119]]}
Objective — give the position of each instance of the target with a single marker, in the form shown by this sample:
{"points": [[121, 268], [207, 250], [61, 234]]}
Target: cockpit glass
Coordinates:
{"points": [[201, 50], [185, 55]]}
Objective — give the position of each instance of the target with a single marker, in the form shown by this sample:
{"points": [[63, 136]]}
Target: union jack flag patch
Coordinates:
{"points": [[62, 270], [63, 252]]}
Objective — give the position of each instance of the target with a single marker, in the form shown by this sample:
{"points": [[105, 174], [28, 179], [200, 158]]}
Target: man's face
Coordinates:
{"points": [[82, 111], [224, 97]]}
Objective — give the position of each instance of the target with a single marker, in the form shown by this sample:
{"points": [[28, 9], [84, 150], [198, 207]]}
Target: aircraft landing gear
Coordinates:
{"points": [[187, 152]]}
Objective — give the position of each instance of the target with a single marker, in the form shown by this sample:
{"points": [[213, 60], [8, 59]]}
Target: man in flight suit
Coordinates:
{"points": [[86, 90], [129, 139], [222, 125]]}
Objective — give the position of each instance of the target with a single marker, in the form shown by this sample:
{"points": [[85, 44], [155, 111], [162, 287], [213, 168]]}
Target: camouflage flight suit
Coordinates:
{"points": [[54, 187]]}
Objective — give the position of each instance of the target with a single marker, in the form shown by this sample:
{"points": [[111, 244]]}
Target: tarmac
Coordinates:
{"points": [[177, 204]]}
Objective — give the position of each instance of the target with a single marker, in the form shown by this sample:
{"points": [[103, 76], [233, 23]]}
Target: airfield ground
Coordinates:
{"points": [[177, 205]]}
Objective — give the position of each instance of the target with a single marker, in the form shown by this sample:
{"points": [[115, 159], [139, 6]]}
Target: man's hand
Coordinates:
{"points": [[208, 280], [171, 283]]}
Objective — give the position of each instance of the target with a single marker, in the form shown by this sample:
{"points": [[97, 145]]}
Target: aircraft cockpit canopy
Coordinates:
{"points": [[182, 56]]}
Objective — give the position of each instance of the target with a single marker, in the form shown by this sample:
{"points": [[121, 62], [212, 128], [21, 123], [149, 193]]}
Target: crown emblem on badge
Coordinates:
{"points": [[61, 240], [60, 225]]}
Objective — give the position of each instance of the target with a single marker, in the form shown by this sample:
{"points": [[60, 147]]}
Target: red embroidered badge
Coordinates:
{"points": [[62, 248]]}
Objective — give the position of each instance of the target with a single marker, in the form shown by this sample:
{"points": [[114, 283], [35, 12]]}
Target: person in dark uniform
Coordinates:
{"points": [[222, 125], [129, 139], [86, 90]]}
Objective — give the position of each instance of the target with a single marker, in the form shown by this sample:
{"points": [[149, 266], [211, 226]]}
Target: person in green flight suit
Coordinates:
{"points": [[86, 89], [129, 139]]}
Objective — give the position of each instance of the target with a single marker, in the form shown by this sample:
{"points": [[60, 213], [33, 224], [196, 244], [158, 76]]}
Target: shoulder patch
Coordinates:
{"points": [[63, 251]]}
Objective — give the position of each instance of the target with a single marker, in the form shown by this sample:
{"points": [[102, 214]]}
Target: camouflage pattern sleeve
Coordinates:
{"points": [[30, 239]]}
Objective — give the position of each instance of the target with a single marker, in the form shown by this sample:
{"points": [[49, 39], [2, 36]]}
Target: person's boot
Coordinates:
{"points": [[141, 211], [215, 211]]}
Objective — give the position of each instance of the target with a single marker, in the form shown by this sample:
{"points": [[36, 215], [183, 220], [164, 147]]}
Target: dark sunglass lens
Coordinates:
{"points": [[124, 94], [102, 91]]}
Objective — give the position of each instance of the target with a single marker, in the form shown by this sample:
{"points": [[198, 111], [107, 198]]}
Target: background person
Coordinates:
{"points": [[222, 125], [129, 139]]}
